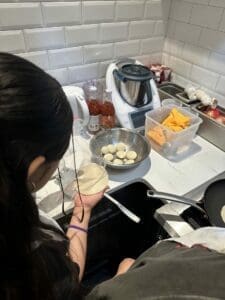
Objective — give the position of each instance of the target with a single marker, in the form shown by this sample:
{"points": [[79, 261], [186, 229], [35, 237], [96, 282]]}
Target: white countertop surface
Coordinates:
{"points": [[189, 176], [184, 176]]}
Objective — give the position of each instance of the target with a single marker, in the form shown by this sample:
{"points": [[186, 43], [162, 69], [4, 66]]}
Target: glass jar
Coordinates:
{"points": [[107, 118], [93, 94]]}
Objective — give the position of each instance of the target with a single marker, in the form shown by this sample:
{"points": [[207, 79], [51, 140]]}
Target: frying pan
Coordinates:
{"points": [[213, 201]]}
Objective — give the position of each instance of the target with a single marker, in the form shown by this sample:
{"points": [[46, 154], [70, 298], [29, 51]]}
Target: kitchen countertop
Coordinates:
{"points": [[181, 178], [190, 176]]}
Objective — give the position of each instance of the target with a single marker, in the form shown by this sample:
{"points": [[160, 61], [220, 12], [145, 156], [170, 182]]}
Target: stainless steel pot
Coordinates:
{"points": [[133, 83]]}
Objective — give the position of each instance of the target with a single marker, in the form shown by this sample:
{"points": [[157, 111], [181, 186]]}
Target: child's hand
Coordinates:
{"points": [[89, 201], [124, 266]]}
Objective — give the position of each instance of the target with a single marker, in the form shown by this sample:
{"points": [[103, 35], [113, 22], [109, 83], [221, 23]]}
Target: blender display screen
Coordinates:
{"points": [[138, 117]]}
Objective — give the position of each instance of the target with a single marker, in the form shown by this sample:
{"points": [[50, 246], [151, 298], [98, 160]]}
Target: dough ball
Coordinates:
{"points": [[121, 154], [111, 148], [108, 157], [129, 161], [131, 155], [91, 179], [104, 150], [118, 161], [121, 147]]}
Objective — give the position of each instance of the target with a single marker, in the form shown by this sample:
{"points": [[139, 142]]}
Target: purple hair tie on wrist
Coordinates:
{"points": [[78, 228]]}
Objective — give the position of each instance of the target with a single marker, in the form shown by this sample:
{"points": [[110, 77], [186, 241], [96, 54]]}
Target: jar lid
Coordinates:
{"points": [[93, 89], [136, 72]]}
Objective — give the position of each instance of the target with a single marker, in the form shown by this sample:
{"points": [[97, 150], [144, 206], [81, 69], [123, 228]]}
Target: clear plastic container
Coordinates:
{"points": [[93, 92], [166, 102], [107, 118], [167, 142]]}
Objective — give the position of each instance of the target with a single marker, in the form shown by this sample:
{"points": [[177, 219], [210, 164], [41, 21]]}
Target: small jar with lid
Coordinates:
{"points": [[93, 94], [107, 118]]}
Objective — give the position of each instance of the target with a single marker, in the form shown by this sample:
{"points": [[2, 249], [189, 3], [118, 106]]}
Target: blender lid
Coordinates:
{"points": [[135, 72]]}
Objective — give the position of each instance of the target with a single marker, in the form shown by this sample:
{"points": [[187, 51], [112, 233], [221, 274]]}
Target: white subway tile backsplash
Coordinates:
{"points": [[187, 32], [213, 40], [144, 59], [152, 45], [111, 32], [12, 41], [129, 10], [166, 4], [98, 11], [126, 49], [198, 1], [39, 58], [200, 44], [156, 58], [153, 9], [221, 100], [103, 68], [62, 75], [83, 73], [217, 63], [194, 45], [204, 77], [180, 80], [222, 24], [171, 28], [44, 38], [141, 29], [152, 58], [174, 47], [94, 53], [159, 28], [219, 3], [195, 55], [65, 57], [180, 66], [206, 16], [220, 88], [74, 33], [166, 58], [59, 13], [20, 15], [81, 35], [181, 11]]}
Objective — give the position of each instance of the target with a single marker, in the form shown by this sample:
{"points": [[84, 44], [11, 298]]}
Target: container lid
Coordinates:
{"points": [[136, 72], [93, 89]]}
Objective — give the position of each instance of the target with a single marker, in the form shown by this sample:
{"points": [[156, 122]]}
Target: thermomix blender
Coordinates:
{"points": [[134, 91]]}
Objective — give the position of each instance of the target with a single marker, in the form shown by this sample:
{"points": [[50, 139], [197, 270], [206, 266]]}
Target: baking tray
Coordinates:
{"points": [[211, 130], [171, 89], [184, 98]]}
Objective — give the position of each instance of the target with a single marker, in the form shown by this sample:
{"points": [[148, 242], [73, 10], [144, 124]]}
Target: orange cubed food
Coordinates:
{"points": [[176, 121], [175, 128], [157, 135]]}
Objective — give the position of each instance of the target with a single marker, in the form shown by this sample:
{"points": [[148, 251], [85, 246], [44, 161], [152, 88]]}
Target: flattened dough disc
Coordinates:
{"points": [[92, 179]]}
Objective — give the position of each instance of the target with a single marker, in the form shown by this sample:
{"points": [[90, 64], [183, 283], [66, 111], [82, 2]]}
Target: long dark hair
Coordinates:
{"points": [[35, 119]]}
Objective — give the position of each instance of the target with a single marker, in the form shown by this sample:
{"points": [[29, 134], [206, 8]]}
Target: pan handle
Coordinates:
{"points": [[174, 198]]}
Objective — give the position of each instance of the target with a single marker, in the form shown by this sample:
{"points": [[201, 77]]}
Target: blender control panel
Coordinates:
{"points": [[137, 118]]}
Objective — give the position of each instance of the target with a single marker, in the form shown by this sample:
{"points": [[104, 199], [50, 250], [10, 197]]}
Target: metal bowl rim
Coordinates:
{"points": [[128, 166]]}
